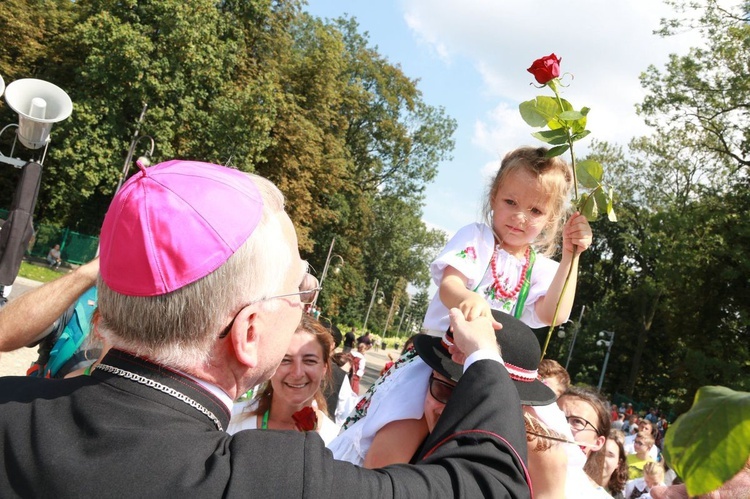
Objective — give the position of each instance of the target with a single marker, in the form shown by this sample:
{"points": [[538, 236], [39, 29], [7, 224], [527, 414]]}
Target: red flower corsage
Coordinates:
{"points": [[306, 419]]}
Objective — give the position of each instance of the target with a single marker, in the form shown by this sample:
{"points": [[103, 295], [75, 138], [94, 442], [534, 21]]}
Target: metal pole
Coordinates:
{"points": [[129, 158], [372, 300], [390, 314], [402, 318], [325, 271], [575, 333], [606, 358]]}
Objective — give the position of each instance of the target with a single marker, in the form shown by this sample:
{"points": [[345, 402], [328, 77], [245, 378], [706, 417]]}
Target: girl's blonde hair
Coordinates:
{"points": [[556, 179]]}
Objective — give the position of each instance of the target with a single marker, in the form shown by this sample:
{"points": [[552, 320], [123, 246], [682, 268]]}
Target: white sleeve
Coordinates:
{"points": [[482, 355], [469, 251], [362, 365]]}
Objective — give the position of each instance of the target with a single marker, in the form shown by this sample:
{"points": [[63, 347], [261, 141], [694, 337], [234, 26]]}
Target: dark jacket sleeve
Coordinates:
{"points": [[478, 449]]}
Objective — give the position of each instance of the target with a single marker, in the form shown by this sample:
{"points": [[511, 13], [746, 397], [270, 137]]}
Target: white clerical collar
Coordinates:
{"points": [[215, 390]]}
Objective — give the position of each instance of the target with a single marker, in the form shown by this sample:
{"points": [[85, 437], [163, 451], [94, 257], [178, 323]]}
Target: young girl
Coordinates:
{"points": [[504, 264]]}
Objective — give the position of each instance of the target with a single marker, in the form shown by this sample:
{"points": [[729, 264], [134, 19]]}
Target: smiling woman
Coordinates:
{"points": [[297, 384]]}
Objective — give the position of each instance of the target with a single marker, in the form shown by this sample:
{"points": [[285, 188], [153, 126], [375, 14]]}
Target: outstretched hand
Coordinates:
{"points": [[474, 306], [471, 336]]}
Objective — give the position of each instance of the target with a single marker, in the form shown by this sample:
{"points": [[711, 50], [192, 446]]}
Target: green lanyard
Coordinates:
{"points": [[524, 293], [264, 423]]}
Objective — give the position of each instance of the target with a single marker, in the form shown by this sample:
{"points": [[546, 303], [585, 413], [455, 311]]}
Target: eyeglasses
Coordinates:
{"points": [[579, 424], [440, 390], [306, 296], [308, 291]]}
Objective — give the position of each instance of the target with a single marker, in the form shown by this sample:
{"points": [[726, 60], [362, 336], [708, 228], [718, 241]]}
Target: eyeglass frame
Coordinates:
{"points": [[585, 421], [444, 383], [225, 332]]}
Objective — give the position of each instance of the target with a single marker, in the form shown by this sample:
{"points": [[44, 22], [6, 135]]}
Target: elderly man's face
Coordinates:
{"points": [[283, 314]]}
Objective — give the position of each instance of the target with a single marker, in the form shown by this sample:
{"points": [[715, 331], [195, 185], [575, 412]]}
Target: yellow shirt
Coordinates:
{"points": [[635, 465]]}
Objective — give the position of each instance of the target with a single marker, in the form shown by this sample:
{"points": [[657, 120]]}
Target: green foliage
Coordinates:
{"points": [[710, 443], [256, 84]]}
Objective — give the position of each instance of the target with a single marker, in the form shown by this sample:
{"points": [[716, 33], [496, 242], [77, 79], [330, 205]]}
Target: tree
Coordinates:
{"points": [[705, 95]]}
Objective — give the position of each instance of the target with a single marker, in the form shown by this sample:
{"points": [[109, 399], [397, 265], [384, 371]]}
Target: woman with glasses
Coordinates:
{"points": [[587, 414], [297, 384]]}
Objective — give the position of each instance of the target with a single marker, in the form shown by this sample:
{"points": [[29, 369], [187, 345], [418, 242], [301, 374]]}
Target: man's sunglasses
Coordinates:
{"points": [[440, 390]]}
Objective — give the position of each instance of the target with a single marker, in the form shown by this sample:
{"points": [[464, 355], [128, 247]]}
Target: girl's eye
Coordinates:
{"points": [[510, 202], [285, 361], [537, 211], [311, 362]]}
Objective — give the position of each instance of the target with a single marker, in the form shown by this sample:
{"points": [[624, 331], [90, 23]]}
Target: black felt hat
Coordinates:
{"points": [[519, 348]]}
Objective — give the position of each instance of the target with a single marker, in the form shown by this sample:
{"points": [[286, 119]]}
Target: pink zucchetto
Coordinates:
{"points": [[174, 223]]}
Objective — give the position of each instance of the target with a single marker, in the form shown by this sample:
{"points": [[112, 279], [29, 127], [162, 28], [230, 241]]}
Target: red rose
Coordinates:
{"points": [[305, 419], [545, 69]]}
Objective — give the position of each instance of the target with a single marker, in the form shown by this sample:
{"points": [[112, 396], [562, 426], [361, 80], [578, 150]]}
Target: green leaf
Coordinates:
{"points": [[587, 207], [610, 206], [580, 135], [710, 443], [557, 150], [554, 137], [540, 111], [570, 116], [589, 173]]}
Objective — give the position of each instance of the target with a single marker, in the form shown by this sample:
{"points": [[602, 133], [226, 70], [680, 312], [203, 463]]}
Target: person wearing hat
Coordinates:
{"points": [[399, 395], [201, 287]]}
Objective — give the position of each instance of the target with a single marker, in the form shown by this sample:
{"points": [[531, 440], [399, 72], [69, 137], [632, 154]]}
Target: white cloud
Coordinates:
{"points": [[606, 45]]}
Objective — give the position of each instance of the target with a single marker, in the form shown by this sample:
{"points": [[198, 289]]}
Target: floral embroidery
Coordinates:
{"points": [[468, 252], [360, 410]]}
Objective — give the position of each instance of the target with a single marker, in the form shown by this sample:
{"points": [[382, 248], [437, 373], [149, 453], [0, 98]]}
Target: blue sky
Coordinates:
{"points": [[471, 58]]}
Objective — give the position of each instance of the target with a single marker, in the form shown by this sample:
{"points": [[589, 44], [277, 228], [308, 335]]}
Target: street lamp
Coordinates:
{"points": [[608, 344], [336, 268], [380, 296], [144, 160], [576, 328]]}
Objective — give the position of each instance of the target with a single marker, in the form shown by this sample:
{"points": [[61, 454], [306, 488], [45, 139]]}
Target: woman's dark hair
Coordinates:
{"points": [[597, 402]]}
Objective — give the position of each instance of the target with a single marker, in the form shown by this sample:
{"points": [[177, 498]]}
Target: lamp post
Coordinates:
{"points": [[372, 300], [145, 160], [576, 328], [402, 317], [390, 314], [336, 268], [608, 343]]}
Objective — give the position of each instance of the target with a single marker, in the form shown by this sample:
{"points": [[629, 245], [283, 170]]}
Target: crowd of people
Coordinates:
{"points": [[209, 365]]}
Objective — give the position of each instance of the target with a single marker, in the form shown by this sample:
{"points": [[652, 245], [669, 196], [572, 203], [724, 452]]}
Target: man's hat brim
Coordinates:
{"points": [[519, 348]]}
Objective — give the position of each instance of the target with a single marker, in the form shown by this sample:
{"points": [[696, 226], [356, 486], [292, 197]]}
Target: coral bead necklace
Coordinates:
{"points": [[497, 284]]}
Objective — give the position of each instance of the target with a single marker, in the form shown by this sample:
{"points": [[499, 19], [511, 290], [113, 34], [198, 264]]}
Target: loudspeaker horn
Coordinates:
{"points": [[39, 105]]}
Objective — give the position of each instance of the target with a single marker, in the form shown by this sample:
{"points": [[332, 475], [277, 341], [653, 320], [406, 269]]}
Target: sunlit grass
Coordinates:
{"points": [[38, 273]]}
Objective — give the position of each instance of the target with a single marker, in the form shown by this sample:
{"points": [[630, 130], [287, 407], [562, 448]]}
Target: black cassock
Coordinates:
{"points": [[135, 429]]}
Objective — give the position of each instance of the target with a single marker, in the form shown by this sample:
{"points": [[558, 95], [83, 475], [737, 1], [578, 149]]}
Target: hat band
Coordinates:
{"points": [[447, 340], [521, 374]]}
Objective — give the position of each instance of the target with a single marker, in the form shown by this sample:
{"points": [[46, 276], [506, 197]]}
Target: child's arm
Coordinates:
{"points": [[396, 443], [577, 232], [454, 294]]}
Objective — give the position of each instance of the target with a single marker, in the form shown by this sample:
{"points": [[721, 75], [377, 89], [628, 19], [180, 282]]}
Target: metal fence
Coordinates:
{"points": [[75, 247]]}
